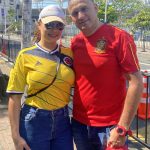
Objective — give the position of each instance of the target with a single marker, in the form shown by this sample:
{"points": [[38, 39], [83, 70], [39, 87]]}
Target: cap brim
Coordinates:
{"points": [[48, 19]]}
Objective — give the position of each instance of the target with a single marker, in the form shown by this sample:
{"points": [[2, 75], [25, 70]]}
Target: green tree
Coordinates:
{"points": [[118, 11], [14, 26], [126, 9], [111, 12], [11, 15], [140, 21]]}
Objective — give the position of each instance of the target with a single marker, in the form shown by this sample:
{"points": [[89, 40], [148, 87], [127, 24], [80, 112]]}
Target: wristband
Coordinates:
{"points": [[122, 131]]}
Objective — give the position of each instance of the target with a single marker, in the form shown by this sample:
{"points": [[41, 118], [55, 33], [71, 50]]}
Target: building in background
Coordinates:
{"points": [[147, 2], [5, 7], [16, 6]]}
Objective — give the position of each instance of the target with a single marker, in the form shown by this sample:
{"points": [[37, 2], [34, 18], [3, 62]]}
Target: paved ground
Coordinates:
{"points": [[6, 142]]}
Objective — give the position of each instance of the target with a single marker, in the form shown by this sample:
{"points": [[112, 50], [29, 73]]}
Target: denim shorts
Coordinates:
{"points": [[90, 138], [46, 130]]}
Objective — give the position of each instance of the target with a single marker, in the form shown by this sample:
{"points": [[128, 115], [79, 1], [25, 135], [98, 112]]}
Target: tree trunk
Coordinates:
{"points": [[26, 23]]}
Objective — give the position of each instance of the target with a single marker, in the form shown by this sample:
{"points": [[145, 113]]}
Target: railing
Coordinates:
{"points": [[145, 45], [9, 47], [141, 124]]}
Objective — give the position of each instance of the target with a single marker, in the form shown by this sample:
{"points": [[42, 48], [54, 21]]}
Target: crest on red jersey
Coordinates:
{"points": [[101, 46]]}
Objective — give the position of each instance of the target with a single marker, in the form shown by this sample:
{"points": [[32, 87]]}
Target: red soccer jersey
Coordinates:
{"points": [[100, 62]]}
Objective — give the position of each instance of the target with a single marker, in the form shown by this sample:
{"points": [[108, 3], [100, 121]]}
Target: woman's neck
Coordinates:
{"points": [[47, 45]]}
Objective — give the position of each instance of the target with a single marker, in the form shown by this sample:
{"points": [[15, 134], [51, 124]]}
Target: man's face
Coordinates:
{"points": [[83, 14]]}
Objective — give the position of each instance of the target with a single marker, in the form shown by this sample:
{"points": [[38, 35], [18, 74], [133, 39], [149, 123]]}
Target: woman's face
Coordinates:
{"points": [[50, 32]]}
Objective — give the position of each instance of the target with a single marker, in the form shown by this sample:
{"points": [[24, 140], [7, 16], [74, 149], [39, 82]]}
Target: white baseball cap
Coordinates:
{"points": [[52, 13]]}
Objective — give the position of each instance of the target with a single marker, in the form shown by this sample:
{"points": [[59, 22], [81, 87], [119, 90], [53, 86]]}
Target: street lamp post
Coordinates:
{"points": [[5, 18], [106, 4]]}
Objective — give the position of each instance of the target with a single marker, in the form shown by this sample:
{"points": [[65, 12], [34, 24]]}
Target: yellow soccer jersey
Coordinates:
{"points": [[36, 68]]}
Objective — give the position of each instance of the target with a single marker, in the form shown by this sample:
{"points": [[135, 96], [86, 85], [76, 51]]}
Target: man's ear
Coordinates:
{"points": [[96, 7]]}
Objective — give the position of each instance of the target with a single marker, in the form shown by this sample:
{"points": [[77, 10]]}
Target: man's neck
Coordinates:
{"points": [[93, 29]]}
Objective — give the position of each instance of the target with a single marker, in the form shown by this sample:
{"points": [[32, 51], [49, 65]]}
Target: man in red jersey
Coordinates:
{"points": [[104, 58]]}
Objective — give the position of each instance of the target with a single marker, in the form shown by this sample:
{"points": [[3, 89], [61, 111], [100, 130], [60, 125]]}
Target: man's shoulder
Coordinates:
{"points": [[78, 37], [116, 31], [110, 27]]}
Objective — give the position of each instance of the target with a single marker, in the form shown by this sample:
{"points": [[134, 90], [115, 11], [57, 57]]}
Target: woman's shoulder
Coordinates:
{"points": [[24, 50], [66, 51]]}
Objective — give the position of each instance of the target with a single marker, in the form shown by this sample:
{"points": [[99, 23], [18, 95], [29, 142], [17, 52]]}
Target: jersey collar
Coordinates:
{"points": [[51, 52]]}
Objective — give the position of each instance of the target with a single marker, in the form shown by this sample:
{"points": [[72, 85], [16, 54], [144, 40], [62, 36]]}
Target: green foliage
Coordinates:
{"points": [[126, 9], [11, 15], [111, 13], [118, 11], [14, 26], [141, 20]]}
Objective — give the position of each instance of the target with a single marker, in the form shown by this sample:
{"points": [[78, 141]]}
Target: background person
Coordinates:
{"points": [[104, 58], [46, 70]]}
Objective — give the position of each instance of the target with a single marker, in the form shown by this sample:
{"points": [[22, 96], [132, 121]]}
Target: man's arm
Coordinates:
{"points": [[130, 107], [132, 100]]}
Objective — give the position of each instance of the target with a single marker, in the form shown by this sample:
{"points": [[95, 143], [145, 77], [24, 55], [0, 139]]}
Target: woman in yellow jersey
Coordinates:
{"points": [[45, 71]]}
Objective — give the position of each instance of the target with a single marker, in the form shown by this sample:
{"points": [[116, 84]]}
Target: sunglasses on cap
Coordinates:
{"points": [[55, 24]]}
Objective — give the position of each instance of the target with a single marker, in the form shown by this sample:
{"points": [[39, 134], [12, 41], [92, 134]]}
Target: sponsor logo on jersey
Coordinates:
{"points": [[38, 63]]}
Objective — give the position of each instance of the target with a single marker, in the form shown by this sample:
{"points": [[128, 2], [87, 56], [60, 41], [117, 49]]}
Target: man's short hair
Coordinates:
{"points": [[89, 0]]}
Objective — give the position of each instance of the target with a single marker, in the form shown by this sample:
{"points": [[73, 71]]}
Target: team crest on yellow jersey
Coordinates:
{"points": [[100, 46]]}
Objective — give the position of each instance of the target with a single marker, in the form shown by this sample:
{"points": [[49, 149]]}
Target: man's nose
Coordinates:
{"points": [[81, 15]]}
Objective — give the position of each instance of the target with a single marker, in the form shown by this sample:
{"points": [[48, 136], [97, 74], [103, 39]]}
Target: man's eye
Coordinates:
{"points": [[84, 9], [75, 13]]}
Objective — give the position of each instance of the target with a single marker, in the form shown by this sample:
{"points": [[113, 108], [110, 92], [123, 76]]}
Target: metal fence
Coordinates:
{"points": [[145, 45], [9, 47], [141, 124]]}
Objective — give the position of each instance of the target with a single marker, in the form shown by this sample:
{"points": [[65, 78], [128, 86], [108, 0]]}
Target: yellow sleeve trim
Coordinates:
{"points": [[138, 67]]}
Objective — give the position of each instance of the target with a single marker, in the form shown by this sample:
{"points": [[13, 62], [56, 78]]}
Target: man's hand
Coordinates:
{"points": [[115, 140]]}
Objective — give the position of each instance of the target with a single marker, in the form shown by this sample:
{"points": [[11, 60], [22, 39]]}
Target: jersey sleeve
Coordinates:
{"points": [[17, 80], [126, 54], [71, 43]]}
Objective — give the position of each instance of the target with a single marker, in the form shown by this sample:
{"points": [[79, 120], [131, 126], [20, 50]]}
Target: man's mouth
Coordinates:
{"points": [[52, 35]]}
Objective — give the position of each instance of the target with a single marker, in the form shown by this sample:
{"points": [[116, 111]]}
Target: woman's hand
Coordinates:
{"points": [[14, 108], [20, 144]]}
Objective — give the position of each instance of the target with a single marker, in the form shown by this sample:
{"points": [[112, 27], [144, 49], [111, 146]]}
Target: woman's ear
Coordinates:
{"points": [[38, 23]]}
